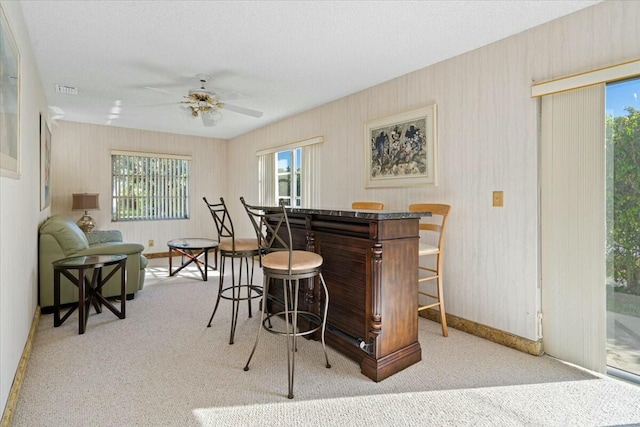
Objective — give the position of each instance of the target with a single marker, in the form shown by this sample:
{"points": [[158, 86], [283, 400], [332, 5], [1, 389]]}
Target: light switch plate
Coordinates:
{"points": [[498, 199]]}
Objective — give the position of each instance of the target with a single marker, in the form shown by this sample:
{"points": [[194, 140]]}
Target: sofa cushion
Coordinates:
{"points": [[102, 236], [69, 236]]}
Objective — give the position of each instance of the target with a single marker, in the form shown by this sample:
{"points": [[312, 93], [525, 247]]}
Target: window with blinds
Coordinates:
{"points": [[149, 186]]}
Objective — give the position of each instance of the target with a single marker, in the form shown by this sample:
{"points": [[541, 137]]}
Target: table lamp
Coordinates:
{"points": [[86, 202]]}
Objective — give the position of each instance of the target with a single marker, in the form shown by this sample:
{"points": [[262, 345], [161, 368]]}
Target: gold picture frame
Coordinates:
{"points": [[401, 150], [9, 101]]}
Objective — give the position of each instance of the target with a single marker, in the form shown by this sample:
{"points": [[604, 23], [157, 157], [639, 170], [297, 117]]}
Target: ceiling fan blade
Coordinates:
{"points": [[159, 105], [241, 110], [163, 91], [228, 96]]}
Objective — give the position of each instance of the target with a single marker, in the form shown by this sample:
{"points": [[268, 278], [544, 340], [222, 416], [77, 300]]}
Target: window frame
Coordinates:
{"points": [[294, 175], [157, 190], [309, 178]]}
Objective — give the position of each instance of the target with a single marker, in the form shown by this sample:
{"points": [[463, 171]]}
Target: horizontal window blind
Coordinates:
{"points": [[149, 186]]}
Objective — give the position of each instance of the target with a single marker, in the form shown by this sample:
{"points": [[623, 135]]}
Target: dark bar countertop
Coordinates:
{"points": [[354, 213]]}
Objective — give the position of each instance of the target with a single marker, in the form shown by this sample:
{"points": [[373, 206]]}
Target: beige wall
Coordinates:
{"points": [[81, 163], [20, 215], [488, 140]]}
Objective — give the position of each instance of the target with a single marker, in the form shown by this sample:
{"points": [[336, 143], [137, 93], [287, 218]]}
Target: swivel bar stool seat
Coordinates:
{"points": [[232, 248], [280, 261]]}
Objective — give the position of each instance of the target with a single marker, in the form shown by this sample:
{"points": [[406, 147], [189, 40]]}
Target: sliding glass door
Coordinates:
{"points": [[623, 227]]}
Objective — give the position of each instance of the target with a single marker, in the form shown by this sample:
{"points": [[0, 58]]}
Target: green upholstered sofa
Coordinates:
{"points": [[60, 237]]}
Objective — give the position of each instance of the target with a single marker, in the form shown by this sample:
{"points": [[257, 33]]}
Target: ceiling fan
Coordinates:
{"points": [[206, 104]]}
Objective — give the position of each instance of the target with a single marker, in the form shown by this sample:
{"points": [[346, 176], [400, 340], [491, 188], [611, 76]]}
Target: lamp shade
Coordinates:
{"points": [[86, 202]]}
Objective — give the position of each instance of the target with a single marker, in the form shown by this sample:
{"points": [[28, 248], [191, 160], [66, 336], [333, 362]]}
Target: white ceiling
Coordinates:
{"points": [[278, 57]]}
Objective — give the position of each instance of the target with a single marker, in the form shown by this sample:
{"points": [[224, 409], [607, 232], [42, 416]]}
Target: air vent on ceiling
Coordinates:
{"points": [[67, 90]]}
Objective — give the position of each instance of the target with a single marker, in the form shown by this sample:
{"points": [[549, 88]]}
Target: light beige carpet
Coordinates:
{"points": [[161, 366]]}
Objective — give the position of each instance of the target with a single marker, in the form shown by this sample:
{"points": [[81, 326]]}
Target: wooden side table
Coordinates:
{"points": [[89, 289]]}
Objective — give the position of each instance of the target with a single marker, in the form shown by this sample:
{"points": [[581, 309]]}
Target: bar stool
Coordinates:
{"points": [[371, 206], [280, 261], [439, 213], [231, 248]]}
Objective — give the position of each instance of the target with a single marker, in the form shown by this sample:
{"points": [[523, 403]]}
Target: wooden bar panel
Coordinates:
{"points": [[371, 270]]}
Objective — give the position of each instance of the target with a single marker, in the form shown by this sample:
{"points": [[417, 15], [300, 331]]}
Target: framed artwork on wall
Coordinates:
{"points": [[9, 101], [45, 164], [400, 150]]}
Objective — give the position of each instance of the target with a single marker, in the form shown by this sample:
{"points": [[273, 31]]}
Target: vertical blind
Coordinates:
{"points": [[149, 186], [572, 214], [573, 226], [266, 181], [310, 188]]}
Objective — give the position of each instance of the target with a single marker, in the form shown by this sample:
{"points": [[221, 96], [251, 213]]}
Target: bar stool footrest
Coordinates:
{"points": [[307, 315], [253, 288]]}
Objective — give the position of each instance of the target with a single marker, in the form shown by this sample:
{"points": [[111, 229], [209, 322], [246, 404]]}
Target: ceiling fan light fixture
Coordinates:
{"points": [[205, 105], [201, 102], [201, 109]]}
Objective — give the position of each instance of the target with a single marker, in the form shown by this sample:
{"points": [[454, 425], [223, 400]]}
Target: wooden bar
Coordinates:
{"points": [[371, 270]]}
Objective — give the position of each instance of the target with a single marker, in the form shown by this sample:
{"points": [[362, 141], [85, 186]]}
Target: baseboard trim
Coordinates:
{"points": [[14, 393], [487, 332]]}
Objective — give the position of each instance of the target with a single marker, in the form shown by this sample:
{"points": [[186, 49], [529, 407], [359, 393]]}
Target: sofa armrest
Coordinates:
{"points": [[103, 236], [112, 248]]}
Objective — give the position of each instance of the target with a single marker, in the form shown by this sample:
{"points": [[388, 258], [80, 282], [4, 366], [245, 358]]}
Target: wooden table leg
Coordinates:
{"points": [[82, 317], [56, 299], [123, 290]]}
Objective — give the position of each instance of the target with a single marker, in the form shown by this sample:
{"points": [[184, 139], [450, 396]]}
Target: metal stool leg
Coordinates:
{"points": [[324, 319], [220, 284], [291, 325], [291, 294], [264, 305], [235, 300], [249, 282]]}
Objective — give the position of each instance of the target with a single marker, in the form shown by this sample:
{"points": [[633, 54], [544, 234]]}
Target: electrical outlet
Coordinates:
{"points": [[498, 199], [151, 243]]}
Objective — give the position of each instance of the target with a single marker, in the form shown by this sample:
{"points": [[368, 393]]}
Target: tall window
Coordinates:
{"points": [[623, 226], [148, 186], [588, 217], [288, 164], [290, 172]]}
